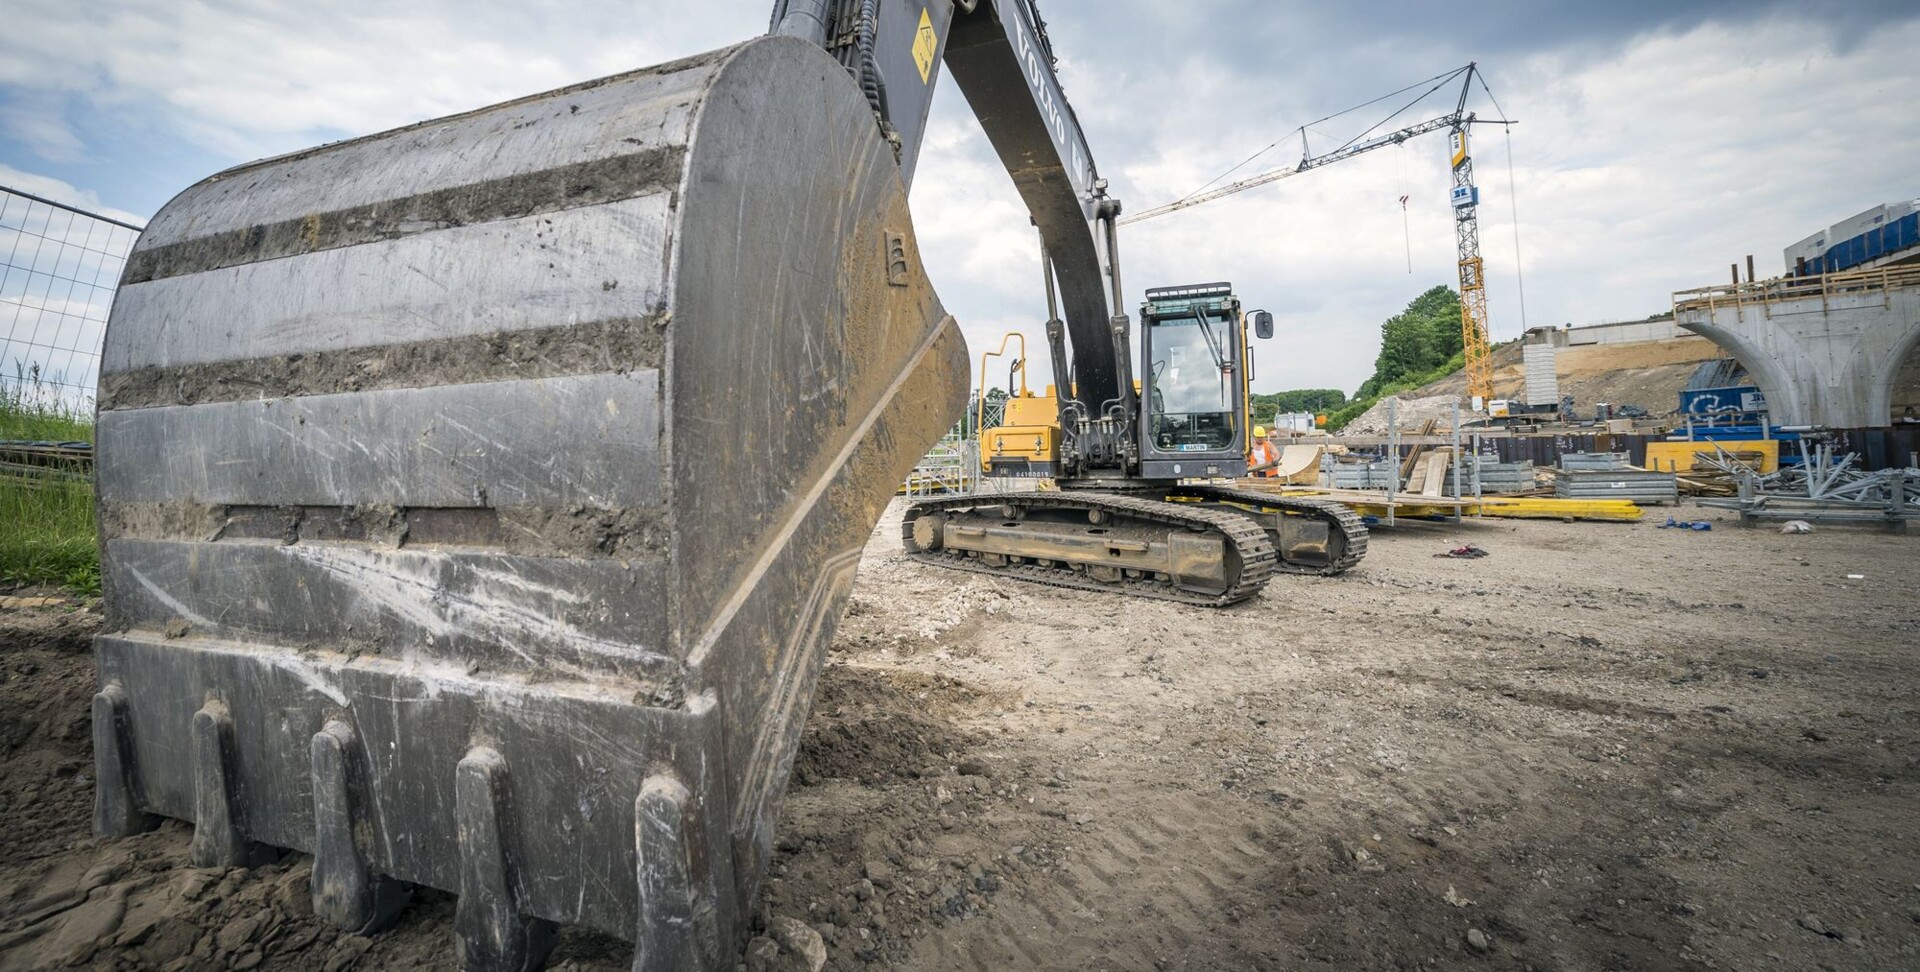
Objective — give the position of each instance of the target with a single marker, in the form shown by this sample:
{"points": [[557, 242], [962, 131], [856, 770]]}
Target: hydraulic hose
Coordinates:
{"points": [[805, 19], [871, 83]]}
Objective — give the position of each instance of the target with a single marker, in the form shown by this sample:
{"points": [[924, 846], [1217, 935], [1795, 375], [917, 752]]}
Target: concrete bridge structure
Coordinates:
{"points": [[1825, 350]]}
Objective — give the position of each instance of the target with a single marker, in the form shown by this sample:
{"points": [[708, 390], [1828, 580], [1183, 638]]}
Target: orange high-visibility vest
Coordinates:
{"points": [[1263, 453]]}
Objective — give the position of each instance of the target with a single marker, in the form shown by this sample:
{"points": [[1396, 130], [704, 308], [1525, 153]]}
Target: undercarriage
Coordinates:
{"points": [[1204, 545]]}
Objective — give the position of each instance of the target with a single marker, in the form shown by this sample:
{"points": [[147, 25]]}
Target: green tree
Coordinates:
{"points": [[1315, 400], [1418, 346], [1415, 341]]}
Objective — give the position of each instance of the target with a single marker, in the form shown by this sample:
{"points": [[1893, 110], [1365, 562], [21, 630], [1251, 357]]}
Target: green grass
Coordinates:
{"points": [[47, 531]]}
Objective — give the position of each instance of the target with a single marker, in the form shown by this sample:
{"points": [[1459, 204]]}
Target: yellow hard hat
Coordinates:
{"points": [[1260, 431]]}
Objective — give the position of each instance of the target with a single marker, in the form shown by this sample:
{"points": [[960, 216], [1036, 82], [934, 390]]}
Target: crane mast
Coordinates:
{"points": [[1476, 349], [1475, 344]]}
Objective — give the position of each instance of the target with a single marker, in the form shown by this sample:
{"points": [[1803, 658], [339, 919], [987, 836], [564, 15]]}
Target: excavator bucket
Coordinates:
{"points": [[478, 498]]}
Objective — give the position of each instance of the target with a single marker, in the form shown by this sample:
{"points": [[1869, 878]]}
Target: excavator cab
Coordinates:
{"points": [[1194, 356]]}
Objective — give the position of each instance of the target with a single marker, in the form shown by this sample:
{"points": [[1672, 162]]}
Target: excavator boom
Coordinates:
{"points": [[1001, 59]]}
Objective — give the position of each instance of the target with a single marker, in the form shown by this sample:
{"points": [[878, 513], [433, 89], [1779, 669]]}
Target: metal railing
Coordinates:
{"points": [[59, 266], [1764, 294], [951, 467]]}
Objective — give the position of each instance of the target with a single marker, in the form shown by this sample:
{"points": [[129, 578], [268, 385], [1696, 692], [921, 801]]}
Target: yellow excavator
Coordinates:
{"points": [[1025, 442], [415, 555]]}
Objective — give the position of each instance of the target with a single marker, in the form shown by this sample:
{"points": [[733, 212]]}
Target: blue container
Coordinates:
{"points": [[1903, 233], [1725, 403]]}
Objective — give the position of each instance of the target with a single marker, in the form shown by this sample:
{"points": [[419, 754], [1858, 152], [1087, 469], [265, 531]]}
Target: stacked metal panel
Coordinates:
{"points": [[1364, 475], [1543, 381], [1578, 461], [1493, 478], [1609, 475], [1639, 485]]}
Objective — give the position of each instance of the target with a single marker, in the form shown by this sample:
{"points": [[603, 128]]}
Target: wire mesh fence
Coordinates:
{"points": [[61, 265]]}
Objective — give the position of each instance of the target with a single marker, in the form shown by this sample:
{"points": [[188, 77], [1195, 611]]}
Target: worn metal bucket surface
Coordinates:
{"points": [[478, 498]]}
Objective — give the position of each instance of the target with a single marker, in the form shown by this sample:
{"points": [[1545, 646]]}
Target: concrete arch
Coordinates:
{"points": [[1783, 394], [1827, 359], [1890, 368]]}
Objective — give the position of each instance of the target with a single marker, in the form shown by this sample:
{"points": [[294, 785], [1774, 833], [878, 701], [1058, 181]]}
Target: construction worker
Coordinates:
{"points": [[1263, 454]]}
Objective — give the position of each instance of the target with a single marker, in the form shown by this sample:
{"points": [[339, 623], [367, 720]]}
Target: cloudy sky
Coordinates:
{"points": [[1658, 142]]}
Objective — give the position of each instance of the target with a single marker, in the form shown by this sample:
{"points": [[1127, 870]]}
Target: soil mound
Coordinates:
{"points": [[875, 726]]}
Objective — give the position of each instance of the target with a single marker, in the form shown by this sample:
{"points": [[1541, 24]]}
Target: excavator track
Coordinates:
{"points": [[1246, 542], [1347, 532]]}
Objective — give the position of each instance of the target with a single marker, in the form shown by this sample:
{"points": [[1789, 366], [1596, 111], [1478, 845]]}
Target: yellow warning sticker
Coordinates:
{"points": [[925, 47]]}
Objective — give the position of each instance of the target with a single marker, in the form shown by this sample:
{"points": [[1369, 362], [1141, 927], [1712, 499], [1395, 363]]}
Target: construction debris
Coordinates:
{"points": [[1824, 487], [1410, 413], [1701, 526], [1681, 457]]}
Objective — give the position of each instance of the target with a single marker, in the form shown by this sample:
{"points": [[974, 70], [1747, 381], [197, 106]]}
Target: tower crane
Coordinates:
{"points": [[1465, 199]]}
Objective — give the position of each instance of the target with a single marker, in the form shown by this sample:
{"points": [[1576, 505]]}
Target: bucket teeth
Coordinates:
{"points": [[346, 891], [116, 809], [680, 911], [495, 933], [219, 837]]}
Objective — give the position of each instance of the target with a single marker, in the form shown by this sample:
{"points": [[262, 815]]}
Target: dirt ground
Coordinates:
{"points": [[1649, 374], [1604, 746]]}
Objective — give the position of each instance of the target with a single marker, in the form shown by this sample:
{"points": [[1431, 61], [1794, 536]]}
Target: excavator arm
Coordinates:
{"points": [[1004, 67], [1000, 56]]}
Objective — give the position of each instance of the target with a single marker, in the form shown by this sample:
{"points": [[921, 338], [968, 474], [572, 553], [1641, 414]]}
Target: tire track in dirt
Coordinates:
{"points": [[1158, 865]]}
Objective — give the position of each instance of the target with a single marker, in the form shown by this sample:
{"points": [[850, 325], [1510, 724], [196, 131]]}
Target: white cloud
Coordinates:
{"points": [[47, 187], [1639, 170], [37, 122], [1644, 162], [252, 77]]}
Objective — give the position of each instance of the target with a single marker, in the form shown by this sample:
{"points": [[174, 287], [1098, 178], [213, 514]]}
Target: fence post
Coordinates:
{"points": [[1393, 453], [1459, 467]]}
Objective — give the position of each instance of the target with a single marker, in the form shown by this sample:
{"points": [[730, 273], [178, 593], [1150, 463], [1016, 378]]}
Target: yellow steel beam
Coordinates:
{"points": [[1546, 508]]}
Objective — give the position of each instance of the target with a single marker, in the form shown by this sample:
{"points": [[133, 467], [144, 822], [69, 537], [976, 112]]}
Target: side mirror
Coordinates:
{"points": [[1262, 325]]}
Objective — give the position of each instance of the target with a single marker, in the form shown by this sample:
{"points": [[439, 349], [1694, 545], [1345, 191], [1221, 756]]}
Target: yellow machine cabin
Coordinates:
{"points": [[1026, 442]]}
